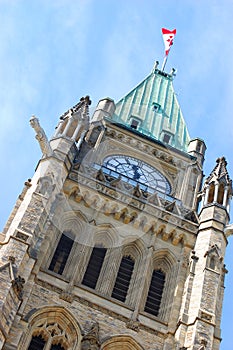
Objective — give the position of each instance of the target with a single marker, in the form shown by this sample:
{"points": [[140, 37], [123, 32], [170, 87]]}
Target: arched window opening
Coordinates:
{"points": [[94, 267], [37, 343], [211, 194], [57, 347], [198, 148], [123, 278], [155, 293], [212, 263], [61, 254], [220, 194]]}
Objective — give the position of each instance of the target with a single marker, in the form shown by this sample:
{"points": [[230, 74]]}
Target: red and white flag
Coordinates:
{"points": [[168, 37]]}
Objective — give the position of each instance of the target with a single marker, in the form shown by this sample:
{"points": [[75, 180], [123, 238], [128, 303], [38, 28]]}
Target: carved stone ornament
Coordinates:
{"points": [[46, 185], [67, 297], [133, 324], [41, 137], [90, 340], [17, 285]]}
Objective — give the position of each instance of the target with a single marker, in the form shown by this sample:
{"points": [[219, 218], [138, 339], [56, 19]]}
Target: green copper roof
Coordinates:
{"points": [[153, 107]]}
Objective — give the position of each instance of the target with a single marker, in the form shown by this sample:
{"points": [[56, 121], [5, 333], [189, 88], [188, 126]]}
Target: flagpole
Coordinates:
{"points": [[164, 63]]}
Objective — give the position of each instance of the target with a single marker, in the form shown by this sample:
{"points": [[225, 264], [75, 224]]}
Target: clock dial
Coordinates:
{"points": [[135, 171]]}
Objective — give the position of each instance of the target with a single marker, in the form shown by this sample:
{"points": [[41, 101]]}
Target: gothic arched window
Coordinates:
{"points": [[37, 343], [61, 254], [220, 194], [94, 267], [211, 193], [57, 347], [155, 292], [212, 262], [123, 278]]}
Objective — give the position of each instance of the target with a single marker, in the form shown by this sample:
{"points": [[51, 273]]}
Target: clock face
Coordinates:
{"points": [[134, 171]]}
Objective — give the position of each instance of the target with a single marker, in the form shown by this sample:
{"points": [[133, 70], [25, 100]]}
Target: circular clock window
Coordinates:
{"points": [[135, 171]]}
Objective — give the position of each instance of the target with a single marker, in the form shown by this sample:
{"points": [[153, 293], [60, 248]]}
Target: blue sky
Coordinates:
{"points": [[54, 52]]}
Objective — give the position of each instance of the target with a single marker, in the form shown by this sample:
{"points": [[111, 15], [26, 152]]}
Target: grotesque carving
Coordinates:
{"points": [[134, 325], [17, 285], [90, 340], [41, 137], [46, 185]]}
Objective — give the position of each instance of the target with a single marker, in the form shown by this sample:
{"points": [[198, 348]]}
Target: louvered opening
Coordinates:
{"points": [[37, 343], [94, 266], [155, 292], [121, 286], [61, 254]]}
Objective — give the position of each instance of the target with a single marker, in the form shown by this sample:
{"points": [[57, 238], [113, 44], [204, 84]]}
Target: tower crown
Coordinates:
{"points": [[152, 109]]}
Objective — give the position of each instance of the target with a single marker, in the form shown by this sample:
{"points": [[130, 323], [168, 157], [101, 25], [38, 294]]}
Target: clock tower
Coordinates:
{"points": [[117, 242]]}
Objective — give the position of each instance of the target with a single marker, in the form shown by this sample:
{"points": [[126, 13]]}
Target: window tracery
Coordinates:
{"points": [[48, 336], [50, 328]]}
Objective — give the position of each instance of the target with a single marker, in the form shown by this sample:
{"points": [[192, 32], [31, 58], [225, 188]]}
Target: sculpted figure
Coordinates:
{"points": [[90, 340], [41, 137]]}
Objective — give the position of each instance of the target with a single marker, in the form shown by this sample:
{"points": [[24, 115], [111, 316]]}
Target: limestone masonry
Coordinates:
{"points": [[117, 242]]}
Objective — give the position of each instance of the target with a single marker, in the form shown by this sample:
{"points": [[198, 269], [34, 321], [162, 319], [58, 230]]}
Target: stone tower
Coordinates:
{"points": [[106, 247]]}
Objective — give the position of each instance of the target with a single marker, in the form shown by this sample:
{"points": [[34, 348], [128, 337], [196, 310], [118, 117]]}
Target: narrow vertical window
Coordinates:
{"points": [[123, 278], [212, 263], [94, 266], [155, 293], [61, 254], [220, 194], [211, 194], [37, 343]]}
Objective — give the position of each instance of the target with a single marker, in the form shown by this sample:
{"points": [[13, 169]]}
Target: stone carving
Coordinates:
{"points": [[90, 340], [206, 316], [17, 285], [41, 137], [46, 185], [22, 236], [133, 324], [66, 296]]}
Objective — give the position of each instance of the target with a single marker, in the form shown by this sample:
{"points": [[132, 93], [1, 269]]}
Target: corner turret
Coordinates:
{"points": [[217, 188]]}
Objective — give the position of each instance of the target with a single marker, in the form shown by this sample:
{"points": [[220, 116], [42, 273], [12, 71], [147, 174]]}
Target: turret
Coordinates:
{"points": [[75, 120], [217, 189], [202, 312], [197, 149]]}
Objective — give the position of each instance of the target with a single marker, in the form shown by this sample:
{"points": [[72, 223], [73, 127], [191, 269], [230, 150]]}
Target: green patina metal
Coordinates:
{"points": [[152, 108]]}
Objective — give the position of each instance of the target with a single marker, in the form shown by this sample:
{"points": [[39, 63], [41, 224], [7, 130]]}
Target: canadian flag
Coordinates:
{"points": [[168, 37]]}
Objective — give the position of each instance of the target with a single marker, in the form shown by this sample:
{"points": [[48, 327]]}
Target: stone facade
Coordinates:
{"points": [[77, 203]]}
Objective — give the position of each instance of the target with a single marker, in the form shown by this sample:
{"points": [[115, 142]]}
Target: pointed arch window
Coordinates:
{"points": [[211, 193], [94, 267], [155, 292], [220, 194], [57, 347], [212, 262], [37, 343], [61, 254], [123, 278]]}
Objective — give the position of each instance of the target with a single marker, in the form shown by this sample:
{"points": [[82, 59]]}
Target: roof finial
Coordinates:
{"points": [[155, 66]]}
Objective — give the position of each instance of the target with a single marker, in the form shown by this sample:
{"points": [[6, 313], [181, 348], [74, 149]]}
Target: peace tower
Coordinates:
{"points": [[117, 242]]}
